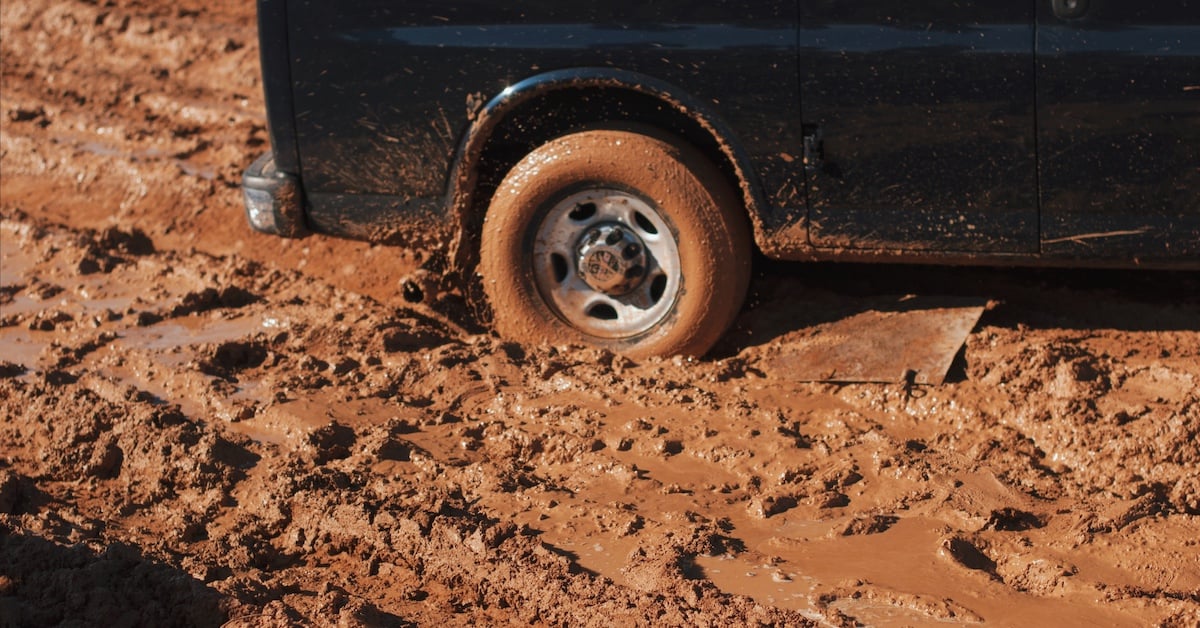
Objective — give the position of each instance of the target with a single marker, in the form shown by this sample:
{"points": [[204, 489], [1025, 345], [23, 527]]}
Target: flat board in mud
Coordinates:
{"points": [[608, 172]]}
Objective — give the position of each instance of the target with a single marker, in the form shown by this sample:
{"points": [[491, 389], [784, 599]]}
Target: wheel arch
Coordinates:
{"points": [[542, 107]]}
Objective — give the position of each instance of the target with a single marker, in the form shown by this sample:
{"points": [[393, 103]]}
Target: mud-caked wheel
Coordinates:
{"points": [[616, 238]]}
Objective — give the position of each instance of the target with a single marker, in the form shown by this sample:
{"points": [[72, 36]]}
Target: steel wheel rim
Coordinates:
{"points": [[564, 286]]}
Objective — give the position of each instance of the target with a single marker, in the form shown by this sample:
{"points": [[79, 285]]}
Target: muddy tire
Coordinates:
{"points": [[616, 238]]}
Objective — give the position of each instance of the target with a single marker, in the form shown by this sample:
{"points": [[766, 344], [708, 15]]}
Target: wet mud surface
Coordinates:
{"points": [[205, 426]]}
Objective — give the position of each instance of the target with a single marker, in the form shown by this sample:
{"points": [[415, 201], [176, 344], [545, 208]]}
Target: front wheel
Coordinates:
{"points": [[618, 239]]}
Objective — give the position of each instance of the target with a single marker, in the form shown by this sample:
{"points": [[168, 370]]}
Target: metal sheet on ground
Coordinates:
{"points": [[912, 339]]}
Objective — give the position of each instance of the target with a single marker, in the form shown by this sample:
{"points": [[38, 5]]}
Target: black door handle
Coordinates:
{"points": [[1069, 9]]}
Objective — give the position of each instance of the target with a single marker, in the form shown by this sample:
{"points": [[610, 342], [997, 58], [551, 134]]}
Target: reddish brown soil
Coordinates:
{"points": [[202, 425]]}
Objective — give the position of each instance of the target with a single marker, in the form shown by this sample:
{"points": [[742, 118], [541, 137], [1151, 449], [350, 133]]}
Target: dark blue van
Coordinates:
{"points": [[606, 170]]}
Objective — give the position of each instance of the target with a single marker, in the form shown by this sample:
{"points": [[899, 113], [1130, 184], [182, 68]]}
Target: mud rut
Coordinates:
{"points": [[206, 426]]}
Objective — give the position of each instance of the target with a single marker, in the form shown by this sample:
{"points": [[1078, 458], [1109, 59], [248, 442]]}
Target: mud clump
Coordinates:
{"points": [[771, 505], [1185, 495], [134, 242], [11, 369], [29, 115], [229, 358], [870, 524], [1013, 520], [213, 298], [103, 252], [332, 442]]}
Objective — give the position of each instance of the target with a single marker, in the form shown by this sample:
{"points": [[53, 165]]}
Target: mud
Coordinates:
{"points": [[206, 426]]}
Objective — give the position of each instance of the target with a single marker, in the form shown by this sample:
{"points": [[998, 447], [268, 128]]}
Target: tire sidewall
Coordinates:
{"points": [[688, 193]]}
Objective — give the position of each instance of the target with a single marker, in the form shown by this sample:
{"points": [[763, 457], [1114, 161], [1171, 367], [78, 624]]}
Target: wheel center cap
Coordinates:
{"points": [[611, 259]]}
